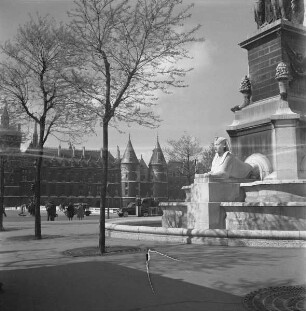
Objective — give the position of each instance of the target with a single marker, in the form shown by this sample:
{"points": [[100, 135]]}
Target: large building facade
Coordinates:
{"points": [[75, 175]]}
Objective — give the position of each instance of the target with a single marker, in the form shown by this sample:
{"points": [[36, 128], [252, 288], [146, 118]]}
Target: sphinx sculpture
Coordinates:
{"points": [[226, 165], [268, 11]]}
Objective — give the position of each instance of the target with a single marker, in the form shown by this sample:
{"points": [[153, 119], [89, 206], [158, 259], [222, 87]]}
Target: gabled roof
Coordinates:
{"points": [[142, 163]]}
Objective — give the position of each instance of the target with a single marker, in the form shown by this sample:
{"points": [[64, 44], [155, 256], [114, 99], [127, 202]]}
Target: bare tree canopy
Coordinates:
{"points": [[31, 79], [33, 85], [186, 150], [131, 50], [206, 159]]}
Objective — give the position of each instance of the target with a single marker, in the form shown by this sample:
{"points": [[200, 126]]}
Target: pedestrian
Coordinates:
{"points": [[52, 211], [22, 208], [3, 210], [70, 211], [31, 208], [48, 209], [80, 212]]}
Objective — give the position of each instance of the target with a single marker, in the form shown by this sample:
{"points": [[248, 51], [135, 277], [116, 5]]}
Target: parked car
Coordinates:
{"points": [[148, 207]]}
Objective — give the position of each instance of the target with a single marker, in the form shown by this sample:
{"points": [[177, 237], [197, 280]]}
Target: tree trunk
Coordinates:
{"points": [[103, 188], [1, 192], [37, 195], [38, 164]]}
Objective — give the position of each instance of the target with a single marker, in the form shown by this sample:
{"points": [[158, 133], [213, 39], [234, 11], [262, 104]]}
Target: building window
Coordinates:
{"points": [[52, 189], [24, 175]]}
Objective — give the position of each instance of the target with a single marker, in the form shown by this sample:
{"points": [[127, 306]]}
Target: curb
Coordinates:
{"points": [[261, 238]]}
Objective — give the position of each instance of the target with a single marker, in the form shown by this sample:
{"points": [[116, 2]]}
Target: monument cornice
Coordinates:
{"points": [[271, 29]]}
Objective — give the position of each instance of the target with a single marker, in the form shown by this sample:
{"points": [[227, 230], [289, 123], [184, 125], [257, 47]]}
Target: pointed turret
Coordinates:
{"points": [[129, 156], [5, 120], [130, 174], [157, 157], [10, 137], [158, 172]]}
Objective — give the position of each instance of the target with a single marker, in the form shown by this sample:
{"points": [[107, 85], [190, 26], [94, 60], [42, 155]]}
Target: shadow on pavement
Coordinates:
{"points": [[103, 286]]}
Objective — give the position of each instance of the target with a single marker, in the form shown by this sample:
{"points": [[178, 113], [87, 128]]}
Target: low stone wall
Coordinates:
{"points": [[174, 214], [256, 238], [284, 216]]}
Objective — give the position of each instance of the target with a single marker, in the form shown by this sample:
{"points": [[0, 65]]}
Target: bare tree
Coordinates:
{"points": [[186, 150], [206, 159], [132, 51], [31, 80]]}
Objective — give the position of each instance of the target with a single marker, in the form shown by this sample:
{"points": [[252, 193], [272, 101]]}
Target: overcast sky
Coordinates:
{"points": [[202, 109]]}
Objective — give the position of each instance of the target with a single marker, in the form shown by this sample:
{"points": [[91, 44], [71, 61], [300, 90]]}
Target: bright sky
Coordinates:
{"points": [[202, 109]]}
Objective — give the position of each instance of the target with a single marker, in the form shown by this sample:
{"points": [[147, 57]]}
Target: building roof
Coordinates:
{"points": [[142, 163], [72, 156], [129, 156], [157, 157]]}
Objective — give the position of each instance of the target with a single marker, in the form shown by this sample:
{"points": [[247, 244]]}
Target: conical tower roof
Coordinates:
{"points": [[157, 157], [5, 120], [129, 155], [143, 163]]}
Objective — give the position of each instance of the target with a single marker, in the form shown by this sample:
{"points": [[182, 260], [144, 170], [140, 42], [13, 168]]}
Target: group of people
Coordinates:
{"points": [[72, 210]]}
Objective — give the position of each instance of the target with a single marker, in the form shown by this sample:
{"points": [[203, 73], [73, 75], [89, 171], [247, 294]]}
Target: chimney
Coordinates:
{"points": [[83, 152]]}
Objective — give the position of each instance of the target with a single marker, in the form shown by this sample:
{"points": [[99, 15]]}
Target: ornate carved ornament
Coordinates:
{"points": [[297, 62], [268, 11]]}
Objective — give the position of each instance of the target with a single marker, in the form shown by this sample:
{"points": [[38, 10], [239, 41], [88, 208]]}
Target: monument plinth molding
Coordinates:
{"points": [[271, 125]]}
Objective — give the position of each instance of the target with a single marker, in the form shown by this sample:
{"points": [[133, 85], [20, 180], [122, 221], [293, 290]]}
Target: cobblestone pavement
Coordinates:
{"points": [[40, 274]]}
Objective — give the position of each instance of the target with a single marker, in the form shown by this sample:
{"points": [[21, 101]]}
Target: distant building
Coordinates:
{"points": [[70, 174], [176, 180], [140, 180]]}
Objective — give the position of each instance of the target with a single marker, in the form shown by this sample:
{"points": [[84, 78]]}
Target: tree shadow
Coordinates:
{"points": [[31, 237], [101, 286]]}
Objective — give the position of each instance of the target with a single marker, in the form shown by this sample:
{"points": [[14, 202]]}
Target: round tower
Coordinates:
{"points": [[130, 175], [10, 137], [158, 173], [10, 140]]}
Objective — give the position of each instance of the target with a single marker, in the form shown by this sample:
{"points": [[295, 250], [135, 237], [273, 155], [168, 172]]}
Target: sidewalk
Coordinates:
{"points": [[38, 276]]}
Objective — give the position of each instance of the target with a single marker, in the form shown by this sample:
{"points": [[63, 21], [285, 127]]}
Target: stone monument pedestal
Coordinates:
{"points": [[206, 194], [274, 122], [269, 205]]}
